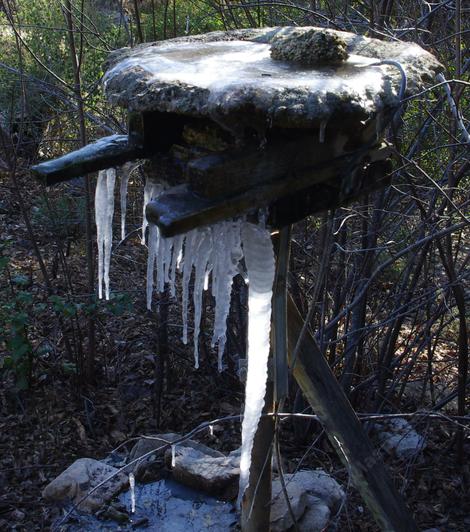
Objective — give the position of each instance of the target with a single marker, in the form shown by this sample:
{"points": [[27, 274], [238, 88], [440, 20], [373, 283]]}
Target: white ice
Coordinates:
{"points": [[245, 64], [207, 250], [215, 250], [132, 488], [227, 253], [151, 191], [123, 196], [151, 258], [104, 210], [260, 265]]}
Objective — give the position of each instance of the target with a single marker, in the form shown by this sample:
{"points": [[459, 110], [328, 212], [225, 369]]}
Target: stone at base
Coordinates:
{"points": [[149, 468], [77, 480], [281, 519], [314, 496], [214, 475]]}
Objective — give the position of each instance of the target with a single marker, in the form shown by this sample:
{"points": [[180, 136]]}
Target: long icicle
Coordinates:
{"points": [[151, 191], [108, 236], [260, 264], [125, 175], [151, 258], [104, 210], [100, 220], [201, 266], [228, 253]]}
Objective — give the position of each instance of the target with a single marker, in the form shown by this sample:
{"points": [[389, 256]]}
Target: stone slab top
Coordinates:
{"points": [[231, 78]]}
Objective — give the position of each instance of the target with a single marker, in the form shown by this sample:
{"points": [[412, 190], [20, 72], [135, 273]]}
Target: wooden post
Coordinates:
{"points": [[256, 503], [345, 431]]}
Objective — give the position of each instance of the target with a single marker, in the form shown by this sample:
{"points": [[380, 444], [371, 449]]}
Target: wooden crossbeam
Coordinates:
{"points": [[105, 153]]}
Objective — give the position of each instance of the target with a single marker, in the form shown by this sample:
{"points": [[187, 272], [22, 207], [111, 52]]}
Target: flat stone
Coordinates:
{"points": [[149, 467], [78, 479], [213, 475], [183, 76]]}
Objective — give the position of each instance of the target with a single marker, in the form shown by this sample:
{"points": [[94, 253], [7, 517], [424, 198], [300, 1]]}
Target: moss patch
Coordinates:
{"points": [[311, 48]]}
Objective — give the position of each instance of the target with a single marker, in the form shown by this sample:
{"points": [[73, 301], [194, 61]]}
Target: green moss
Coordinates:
{"points": [[311, 49]]}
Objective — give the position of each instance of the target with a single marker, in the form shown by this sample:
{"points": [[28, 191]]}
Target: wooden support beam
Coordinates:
{"points": [[233, 171], [104, 153], [345, 431], [181, 209]]}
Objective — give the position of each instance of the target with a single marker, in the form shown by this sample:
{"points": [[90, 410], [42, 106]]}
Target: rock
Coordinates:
{"points": [[78, 479], [280, 516], [313, 495], [150, 467], [399, 438], [214, 475], [147, 78], [316, 516], [320, 485], [311, 48]]}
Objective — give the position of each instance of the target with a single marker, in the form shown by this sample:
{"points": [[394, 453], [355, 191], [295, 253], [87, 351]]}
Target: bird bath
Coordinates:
{"points": [[229, 130]]}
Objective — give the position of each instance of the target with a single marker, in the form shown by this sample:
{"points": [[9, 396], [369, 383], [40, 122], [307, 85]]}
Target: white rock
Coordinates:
{"points": [[78, 479]]}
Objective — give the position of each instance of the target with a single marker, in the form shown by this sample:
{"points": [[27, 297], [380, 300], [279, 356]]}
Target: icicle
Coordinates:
{"points": [[162, 243], [211, 430], [206, 281], [175, 261], [151, 191], [123, 193], [100, 220], [173, 456], [104, 209], [227, 255], [201, 263], [132, 487], [108, 236], [259, 258], [190, 245], [151, 259]]}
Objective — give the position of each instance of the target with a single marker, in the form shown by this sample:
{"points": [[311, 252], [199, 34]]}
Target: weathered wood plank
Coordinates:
{"points": [[233, 171], [180, 209], [105, 153], [345, 431]]}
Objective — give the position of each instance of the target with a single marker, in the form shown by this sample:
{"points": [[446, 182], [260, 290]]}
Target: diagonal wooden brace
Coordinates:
{"points": [[344, 430]]}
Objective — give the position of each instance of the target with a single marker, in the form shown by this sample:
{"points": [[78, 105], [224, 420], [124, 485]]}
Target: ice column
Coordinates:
{"points": [[227, 255], [104, 210], [202, 267], [151, 259], [123, 193], [151, 191], [260, 265]]}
